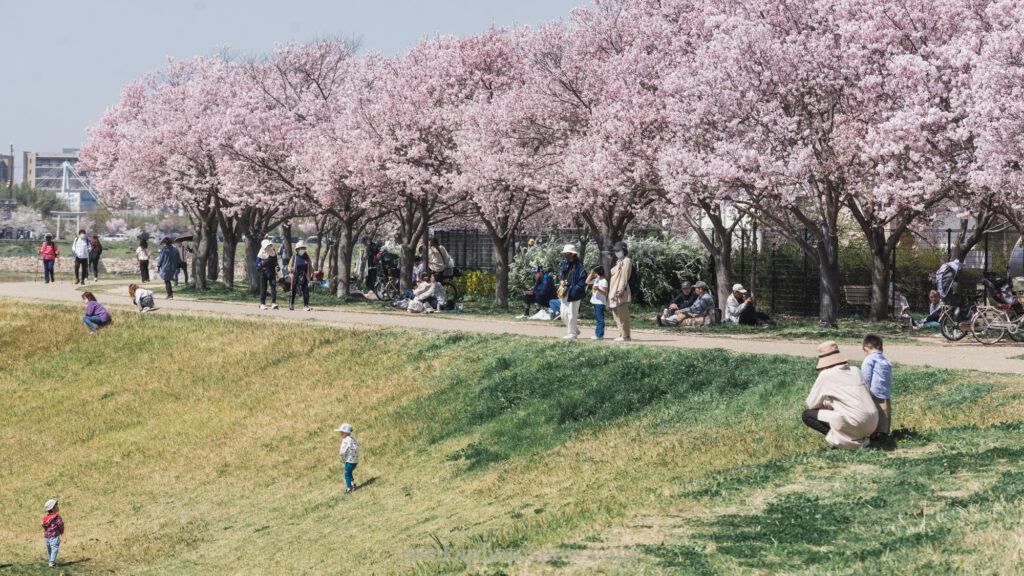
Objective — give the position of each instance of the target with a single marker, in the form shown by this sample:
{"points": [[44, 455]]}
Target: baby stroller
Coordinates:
{"points": [[1000, 293]]}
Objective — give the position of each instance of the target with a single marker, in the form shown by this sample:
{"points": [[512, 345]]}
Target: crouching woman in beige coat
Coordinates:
{"points": [[839, 405]]}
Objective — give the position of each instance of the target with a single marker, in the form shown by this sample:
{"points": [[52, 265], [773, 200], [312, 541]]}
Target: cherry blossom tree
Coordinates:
{"points": [[158, 146]]}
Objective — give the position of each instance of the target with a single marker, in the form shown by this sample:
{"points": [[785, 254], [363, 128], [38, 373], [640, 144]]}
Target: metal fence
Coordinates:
{"points": [[785, 280]]}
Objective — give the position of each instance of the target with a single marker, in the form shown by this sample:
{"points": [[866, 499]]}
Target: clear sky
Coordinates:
{"points": [[64, 61]]}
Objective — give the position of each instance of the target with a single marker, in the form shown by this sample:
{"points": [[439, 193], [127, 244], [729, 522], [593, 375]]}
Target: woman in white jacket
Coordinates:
{"points": [[840, 405]]}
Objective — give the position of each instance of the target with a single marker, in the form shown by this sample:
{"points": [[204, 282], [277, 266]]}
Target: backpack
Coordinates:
{"points": [[634, 282]]}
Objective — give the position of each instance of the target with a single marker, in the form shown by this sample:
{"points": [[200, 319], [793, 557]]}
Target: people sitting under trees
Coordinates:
{"points": [[429, 295], [740, 309], [685, 299], [702, 311], [934, 312], [541, 293]]}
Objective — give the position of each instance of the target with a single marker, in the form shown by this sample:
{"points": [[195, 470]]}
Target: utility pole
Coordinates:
{"points": [[10, 174]]}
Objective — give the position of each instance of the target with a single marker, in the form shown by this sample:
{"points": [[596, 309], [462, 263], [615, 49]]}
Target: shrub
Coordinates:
{"points": [[662, 261], [477, 285]]}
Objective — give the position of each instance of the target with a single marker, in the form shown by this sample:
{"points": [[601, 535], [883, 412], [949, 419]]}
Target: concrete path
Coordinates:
{"points": [[938, 353]]}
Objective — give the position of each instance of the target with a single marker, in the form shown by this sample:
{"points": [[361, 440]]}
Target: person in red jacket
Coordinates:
{"points": [[50, 253], [53, 529]]}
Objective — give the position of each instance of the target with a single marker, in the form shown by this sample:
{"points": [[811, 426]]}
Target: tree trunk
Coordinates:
{"points": [[828, 267], [345, 247], [501, 265], [212, 263], [880, 278], [252, 276], [406, 261], [227, 262], [722, 255], [202, 233]]}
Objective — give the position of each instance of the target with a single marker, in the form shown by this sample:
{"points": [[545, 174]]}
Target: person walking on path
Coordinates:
{"points": [[142, 253], [80, 248], [840, 405], [571, 288], [167, 264], [599, 299], [50, 253], [183, 251], [349, 455], [300, 269], [95, 250], [267, 270], [619, 294], [96, 316], [53, 529]]}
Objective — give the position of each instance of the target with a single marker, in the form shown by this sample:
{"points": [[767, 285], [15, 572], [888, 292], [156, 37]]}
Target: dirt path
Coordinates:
{"points": [[940, 354]]}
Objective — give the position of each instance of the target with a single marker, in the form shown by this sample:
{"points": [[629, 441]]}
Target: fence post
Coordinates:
{"points": [[892, 281], [803, 284], [743, 253], [949, 243], [771, 281], [985, 268]]}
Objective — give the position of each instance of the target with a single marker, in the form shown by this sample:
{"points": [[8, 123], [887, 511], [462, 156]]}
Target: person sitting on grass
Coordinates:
{"points": [[349, 455], [700, 312], [740, 309], [687, 296], [141, 297], [53, 529], [934, 312], [96, 316], [429, 295], [542, 292], [877, 373], [839, 405]]}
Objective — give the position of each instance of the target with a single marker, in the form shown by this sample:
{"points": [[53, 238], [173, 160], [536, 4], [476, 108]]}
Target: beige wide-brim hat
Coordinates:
{"points": [[300, 244], [50, 504], [829, 355], [569, 249]]}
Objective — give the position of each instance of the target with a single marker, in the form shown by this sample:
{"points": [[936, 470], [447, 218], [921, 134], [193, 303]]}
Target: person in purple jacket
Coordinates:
{"points": [[96, 316]]}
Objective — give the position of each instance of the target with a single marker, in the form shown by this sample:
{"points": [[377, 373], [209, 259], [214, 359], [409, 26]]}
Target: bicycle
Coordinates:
{"points": [[992, 323]]}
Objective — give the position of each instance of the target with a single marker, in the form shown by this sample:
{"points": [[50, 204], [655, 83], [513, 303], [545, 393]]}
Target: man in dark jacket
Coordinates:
{"points": [[542, 292], [685, 299], [572, 288]]}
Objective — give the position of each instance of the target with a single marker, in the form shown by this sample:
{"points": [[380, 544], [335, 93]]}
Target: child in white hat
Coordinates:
{"points": [[53, 529], [349, 454]]}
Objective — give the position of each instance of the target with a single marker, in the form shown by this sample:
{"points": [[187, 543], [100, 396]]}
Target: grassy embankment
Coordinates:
{"points": [[182, 445]]}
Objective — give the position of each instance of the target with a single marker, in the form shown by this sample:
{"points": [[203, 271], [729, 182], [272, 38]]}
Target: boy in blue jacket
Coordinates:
{"points": [[877, 374]]}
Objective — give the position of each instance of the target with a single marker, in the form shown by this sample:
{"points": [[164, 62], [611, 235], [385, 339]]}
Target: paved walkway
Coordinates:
{"points": [[940, 354]]}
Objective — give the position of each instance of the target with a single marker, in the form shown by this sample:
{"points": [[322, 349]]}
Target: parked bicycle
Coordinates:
{"points": [[1004, 317]]}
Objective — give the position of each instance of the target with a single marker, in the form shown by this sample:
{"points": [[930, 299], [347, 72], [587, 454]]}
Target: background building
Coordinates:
{"points": [[45, 170], [6, 169]]}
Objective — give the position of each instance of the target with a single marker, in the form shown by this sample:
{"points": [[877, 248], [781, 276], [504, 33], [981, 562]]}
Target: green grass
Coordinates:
{"points": [[184, 445]]}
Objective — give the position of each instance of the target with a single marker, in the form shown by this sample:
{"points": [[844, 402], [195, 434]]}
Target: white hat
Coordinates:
{"points": [[50, 504], [266, 242], [300, 244], [739, 288], [570, 249], [346, 427]]}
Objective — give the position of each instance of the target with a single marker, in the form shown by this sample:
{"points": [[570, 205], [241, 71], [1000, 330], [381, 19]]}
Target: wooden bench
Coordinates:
{"points": [[857, 295]]}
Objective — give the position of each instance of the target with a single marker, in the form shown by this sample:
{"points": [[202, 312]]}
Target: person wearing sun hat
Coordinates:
{"points": [[53, 529], [839, 404], [266, 268], [349, 454], [571, 288]]}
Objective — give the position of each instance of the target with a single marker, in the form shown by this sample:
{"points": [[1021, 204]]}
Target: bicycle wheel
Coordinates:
{"points": [[386, 289], [987, 326], [951, 329]]}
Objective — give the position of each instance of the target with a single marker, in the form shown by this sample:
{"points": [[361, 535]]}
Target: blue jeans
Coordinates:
{"points": [[599, 316], [93, 323], [349, 468], [52, 545], [47, 271]]}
